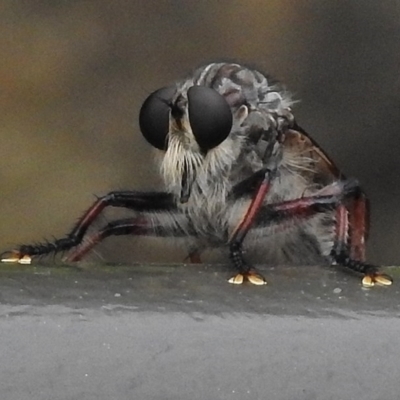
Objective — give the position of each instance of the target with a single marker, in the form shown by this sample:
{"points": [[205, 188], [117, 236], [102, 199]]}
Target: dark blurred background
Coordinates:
{"points": [[75, 73]]}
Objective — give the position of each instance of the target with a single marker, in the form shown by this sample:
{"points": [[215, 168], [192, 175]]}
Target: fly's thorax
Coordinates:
{"points": [[242, 85]]}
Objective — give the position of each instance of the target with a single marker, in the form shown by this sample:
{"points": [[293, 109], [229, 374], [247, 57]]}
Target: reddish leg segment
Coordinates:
{"points": [[236, 240], [140, 226], [358, 215]]}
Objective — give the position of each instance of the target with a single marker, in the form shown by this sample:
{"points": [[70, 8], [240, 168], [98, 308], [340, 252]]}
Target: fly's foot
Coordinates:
{"points": [[370, 280], [251, 276], [15, 257]]}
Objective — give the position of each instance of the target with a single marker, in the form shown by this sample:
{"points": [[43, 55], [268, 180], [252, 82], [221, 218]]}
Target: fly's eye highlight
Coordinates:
{"points": [[210, 116], [154, 117]]}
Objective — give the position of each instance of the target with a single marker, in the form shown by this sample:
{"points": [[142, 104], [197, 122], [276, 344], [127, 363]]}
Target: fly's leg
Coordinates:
{"points": [[245, 272], [351, 227], [359, 223], [139, 202], [261, 180], [145, 225], [349, 247]]}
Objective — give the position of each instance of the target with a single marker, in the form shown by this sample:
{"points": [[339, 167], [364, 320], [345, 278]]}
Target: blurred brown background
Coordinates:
{"points": [[75, 73]]}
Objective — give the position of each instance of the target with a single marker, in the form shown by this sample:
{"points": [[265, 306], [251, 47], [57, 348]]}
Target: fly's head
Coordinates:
{"points": [[186, 124]]}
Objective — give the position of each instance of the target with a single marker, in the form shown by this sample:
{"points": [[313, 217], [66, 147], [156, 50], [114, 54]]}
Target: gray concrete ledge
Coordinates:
{"points": [[183, 332]]}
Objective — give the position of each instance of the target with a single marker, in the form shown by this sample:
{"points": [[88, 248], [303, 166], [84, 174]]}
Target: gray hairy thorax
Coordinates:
{"points": [[256, 102]]}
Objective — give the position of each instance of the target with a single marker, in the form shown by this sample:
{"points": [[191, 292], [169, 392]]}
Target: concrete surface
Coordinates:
{"points": [[182, 332]]}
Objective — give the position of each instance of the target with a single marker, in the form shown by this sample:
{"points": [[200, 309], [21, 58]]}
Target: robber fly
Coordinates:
{"points": [[239, 174]]}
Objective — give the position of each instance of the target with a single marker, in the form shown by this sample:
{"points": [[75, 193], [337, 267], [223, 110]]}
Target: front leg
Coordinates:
{"points": [[245, 272], [136, 201]]}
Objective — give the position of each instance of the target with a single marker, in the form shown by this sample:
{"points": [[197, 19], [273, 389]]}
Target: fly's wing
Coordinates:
{"points": [[322, 171], [325, 163], [320, 165]]}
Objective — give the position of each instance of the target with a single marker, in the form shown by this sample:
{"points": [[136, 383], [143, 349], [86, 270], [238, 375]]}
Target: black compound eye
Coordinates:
{"points": [[154, 117], [210, 116]]}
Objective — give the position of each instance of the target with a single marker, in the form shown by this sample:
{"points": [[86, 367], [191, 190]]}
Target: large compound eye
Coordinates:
{"points": [[210, 116], [154, 117]]}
